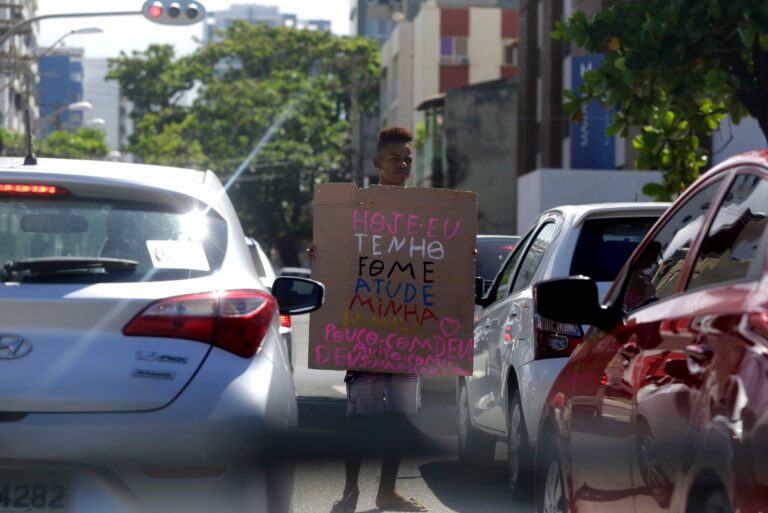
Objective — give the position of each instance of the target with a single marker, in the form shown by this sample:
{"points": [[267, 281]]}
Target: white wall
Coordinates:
{"points": [[546, 188], [485, 45], [426, 54], [405, 79], [397, 58], [104, 96], [19, 64], [730, 139]]}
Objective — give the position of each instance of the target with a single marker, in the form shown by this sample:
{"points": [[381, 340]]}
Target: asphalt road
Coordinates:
{"points": [[430, 472]]}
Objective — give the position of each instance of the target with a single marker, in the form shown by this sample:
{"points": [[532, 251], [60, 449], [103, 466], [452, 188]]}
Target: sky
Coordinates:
{"points": [[129, 33]]}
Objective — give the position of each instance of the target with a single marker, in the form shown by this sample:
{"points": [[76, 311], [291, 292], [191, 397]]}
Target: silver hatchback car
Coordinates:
{"points": [[517, 352], [140, 362]]}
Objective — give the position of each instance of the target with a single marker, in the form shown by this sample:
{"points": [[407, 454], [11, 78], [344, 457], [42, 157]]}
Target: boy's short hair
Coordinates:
{"points": [[394, 134]]}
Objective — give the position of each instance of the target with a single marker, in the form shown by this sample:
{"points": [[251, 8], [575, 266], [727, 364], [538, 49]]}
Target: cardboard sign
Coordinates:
{"points": [[398, 269]]}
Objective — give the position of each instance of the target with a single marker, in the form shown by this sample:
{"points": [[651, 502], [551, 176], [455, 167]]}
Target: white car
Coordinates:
{"points": [[518, 353], [267, 276], [140, 362], [261, 262]]}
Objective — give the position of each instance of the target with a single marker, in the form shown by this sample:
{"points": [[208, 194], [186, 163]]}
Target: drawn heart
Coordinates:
{"points": [[449, 326]]}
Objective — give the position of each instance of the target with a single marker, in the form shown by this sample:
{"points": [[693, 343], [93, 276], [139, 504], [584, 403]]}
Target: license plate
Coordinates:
{"points": [[30, 491]]}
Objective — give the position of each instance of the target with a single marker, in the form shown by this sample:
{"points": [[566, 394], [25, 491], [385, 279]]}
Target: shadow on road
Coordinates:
{"points": [[471, 489], [325, 432]]}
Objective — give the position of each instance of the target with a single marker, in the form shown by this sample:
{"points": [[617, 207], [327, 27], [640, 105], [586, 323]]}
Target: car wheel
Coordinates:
{"points": [[552, 490], [474, 447], [716, 502], [651, 469], [518, 448]]}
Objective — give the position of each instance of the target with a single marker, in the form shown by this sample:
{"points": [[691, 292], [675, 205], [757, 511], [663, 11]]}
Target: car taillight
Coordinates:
{"points": [[285, 321], [32, 189], [235, 320], [555, 339]]}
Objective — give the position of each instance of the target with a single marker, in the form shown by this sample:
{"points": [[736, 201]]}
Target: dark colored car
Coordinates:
{"points": [[298, 272], [492, 251], [664, 407]]}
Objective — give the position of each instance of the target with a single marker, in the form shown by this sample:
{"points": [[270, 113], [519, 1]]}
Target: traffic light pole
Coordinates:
{"points": [[23, 24]]}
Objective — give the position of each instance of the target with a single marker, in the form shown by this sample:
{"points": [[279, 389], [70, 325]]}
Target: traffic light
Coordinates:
{"points": [[174, 12]]}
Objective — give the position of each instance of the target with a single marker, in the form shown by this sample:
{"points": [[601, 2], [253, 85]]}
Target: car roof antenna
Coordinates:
{"points": [[29, 159]]}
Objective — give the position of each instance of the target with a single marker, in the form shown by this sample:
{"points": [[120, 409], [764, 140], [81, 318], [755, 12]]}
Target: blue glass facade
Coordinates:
{"points": [[61, 83]]}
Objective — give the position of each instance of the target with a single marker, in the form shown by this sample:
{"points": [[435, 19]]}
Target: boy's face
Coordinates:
{"points": [[394, 162]]}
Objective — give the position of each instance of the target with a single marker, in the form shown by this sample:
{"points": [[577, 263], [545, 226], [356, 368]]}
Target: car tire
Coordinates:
{"points": [[474, 447], [715, 502], [519, 452], [651, 469], [551, 486]]}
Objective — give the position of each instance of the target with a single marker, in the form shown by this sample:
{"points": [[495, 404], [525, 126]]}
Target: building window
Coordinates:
{"points": [[510, 52], [453, 50]]}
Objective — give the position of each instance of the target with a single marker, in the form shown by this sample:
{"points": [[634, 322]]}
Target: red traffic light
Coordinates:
{"points": [[169, 12], [156, 9]]}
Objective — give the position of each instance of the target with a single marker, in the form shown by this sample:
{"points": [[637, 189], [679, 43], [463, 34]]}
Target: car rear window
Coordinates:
{"points": [[166, 244], [605, 245], [491, 254]]}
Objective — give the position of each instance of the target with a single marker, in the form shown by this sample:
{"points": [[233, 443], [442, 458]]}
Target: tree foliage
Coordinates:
{"points": [[11, 143], [675, 69], [296, 85], [83, 143]]}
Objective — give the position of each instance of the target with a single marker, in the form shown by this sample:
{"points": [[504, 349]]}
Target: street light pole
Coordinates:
{"points": [[82, 105], [85, 30], [25, 23]]}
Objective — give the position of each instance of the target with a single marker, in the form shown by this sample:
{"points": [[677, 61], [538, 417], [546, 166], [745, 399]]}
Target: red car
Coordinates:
{"points": [[664, 406]]}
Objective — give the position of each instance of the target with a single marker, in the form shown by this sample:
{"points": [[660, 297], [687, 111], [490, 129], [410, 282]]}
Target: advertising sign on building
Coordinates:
{"points": [[398, 269], [591, 147]]}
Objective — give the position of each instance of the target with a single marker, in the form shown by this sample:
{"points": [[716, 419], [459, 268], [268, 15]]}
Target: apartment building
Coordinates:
{"points": [[559, 161], [18, 66], [109, 105], [254, 13], [444, 48], [60, 86]]}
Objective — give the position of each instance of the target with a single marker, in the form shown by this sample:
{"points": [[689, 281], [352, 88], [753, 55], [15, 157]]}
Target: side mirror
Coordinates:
{"points": [[573, 300], [297, 296]]}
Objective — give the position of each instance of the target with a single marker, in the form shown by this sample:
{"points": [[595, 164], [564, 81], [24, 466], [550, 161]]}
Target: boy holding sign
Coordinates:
{"points": [[398, 264]]}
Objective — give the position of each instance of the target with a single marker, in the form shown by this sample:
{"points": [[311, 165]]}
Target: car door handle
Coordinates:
{"points": [[627, 352], [514, 312]]}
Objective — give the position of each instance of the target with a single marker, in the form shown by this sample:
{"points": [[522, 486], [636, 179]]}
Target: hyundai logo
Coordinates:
{"points": [[13, 347]]}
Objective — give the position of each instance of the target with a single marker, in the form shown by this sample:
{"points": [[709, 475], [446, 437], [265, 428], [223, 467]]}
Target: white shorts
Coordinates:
{"points": [[373, 393]]}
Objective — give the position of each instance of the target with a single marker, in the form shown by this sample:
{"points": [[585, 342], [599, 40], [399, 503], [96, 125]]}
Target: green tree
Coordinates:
{"points": [[11, 143], [291, 91], [83, 143], [675, 69]]}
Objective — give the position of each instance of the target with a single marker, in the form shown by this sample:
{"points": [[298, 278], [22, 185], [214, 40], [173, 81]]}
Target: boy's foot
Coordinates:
{"points": [[397, 502], [347, 504]]}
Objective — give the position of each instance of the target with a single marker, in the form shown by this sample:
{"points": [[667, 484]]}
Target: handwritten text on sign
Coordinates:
{"points": [[406, 305]]}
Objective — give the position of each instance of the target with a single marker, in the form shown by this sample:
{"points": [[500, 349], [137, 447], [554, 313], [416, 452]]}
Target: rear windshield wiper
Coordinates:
{"points": [[62, 265]]}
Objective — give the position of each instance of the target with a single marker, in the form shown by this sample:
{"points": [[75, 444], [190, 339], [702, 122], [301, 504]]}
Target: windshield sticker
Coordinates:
{"points": [[178, 254]]}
